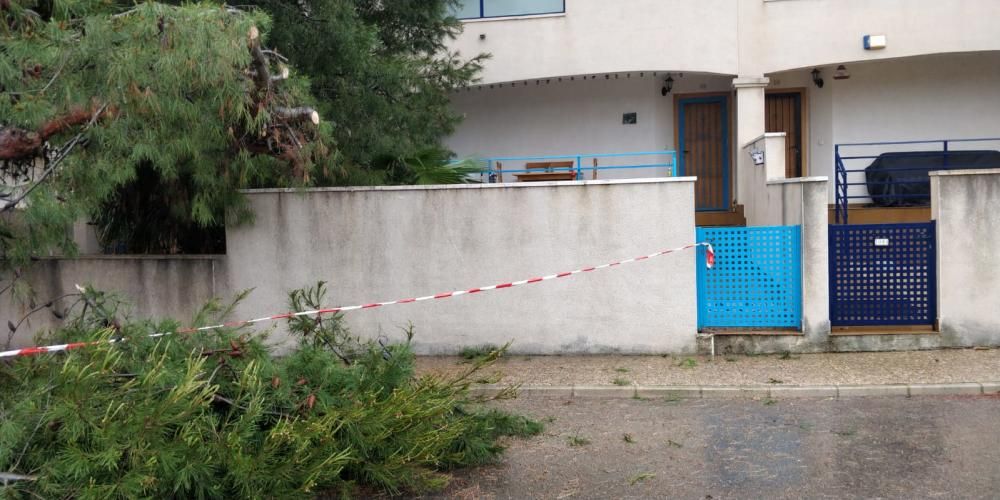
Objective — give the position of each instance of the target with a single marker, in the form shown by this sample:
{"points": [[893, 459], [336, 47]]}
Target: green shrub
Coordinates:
{"points": [[215, 415]]}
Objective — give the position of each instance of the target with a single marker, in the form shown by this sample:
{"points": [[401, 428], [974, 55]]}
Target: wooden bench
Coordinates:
{"points": [[545, 171]]}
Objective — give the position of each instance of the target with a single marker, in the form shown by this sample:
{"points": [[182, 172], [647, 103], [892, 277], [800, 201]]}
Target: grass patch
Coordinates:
{"points": [[674, 444], [770, 402], [578, 440], [508, 424], [621, 381], [471, 353], [688, 363], [621, 370], [773, 380], [640, 477], [628, 438]]}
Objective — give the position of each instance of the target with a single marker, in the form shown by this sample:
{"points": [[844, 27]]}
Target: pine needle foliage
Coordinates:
{"points": [[215, 415], [381, 70], [162, 91]]}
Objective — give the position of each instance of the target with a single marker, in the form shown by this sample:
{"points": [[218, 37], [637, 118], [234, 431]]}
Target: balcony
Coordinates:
{"points": [[568, 167], [487, 9]]}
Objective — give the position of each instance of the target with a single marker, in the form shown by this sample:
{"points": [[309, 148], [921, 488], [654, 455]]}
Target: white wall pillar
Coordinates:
{"points": [[749, 126]]}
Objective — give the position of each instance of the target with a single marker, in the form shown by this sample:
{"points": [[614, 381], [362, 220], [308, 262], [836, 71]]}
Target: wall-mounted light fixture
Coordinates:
{"points": [[841, 73], [668, 85], [818, 80]]}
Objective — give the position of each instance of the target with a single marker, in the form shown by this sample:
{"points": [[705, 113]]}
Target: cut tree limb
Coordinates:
{"points": [[299, 114], [17, 143], [260, 73]]}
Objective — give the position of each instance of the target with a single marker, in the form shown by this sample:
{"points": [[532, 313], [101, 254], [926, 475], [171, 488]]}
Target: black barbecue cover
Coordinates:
{"points": [[900, 179]]}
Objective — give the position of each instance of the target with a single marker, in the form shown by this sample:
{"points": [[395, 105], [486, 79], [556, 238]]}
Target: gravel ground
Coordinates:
{"points": [[906, 448], [914, 367]]}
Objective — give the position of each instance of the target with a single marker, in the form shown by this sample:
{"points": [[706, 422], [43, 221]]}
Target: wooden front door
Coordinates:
{"points": [[703, 147], [783, 113]]}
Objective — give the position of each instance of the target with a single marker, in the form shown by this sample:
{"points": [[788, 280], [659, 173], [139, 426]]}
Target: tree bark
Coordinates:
{"points": [[17, 143], [299, 114]]}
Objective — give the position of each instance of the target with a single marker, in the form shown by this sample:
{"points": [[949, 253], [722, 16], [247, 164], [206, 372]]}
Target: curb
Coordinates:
{"points": [[675, 392]]}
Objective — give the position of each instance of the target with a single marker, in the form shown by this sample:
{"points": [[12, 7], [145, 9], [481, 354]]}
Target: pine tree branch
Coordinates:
{"points": [[230, 402], [10, 477], [17, 143], [299, 114], [275, 54], [50, 82], [260, 73], [52, 128], [12, 327]]}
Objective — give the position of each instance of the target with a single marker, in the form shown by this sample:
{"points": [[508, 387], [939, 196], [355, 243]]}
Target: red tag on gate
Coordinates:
{"points": [[709, 255]]}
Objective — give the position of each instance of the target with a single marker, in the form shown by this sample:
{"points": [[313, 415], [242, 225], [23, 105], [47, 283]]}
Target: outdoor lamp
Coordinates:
{"points": [[668, 85], [816, 78]]}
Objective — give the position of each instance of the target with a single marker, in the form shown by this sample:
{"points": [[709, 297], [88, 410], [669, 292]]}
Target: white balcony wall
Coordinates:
{"points": [[745, 37], [602, 36], [777, 35]]}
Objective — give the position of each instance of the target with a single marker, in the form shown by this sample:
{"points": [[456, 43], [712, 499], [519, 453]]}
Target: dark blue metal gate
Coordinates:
{"points": [[883, 274]]}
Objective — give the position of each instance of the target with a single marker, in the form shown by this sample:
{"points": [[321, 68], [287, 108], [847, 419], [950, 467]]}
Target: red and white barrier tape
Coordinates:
{"points": [[709, 262]]}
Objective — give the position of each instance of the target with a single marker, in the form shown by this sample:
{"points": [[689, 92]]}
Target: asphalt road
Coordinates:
{"points": [[929, 447]]}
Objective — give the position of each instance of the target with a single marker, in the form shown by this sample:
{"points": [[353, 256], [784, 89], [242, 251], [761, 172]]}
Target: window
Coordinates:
{"points": [[478, 9]]}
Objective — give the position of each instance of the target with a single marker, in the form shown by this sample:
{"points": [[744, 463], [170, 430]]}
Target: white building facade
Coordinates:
{"points": [[705, 78]]}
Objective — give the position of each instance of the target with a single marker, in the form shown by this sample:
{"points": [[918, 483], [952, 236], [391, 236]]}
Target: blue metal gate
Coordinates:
{"points": [[883, 274], [756, 280]]}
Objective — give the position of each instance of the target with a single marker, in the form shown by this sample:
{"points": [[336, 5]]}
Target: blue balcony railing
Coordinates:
{"points": [[901, 175], [578, 166], [480, 9]]}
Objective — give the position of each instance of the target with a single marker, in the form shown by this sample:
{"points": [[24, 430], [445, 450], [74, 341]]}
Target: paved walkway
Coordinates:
{"points": [[907, 448], [917, 367]]}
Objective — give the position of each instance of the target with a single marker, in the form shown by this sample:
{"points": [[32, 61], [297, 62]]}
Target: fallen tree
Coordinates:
{"points": [[94, 94], [215, 415]]}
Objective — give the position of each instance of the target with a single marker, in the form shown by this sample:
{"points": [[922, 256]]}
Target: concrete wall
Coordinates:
{"points": [[968, 234], [776, 201], [375, 244], [156, 287], [745, 37]]}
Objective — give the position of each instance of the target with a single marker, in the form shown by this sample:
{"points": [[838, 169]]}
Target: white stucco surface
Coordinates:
{"points": [[777, 201], [152, 287], [385, 244], [601, 36], [739, 37], [963, 204], [574, 116]]}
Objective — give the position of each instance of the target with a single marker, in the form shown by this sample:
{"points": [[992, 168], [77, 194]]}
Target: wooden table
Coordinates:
{"points": [[545, 176]]}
